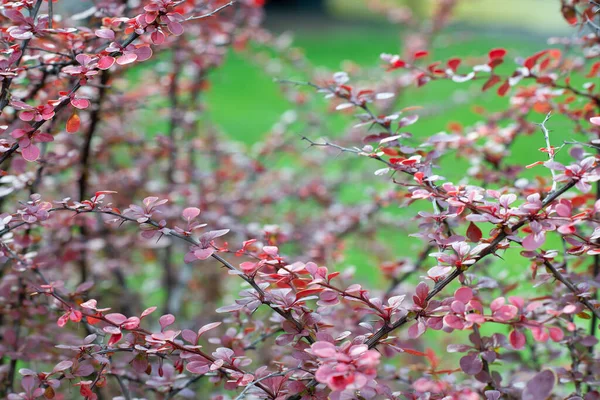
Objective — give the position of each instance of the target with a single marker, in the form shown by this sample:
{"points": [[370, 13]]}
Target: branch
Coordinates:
{"points": [[565, 281], [192, 240], [491, 249], [423, 256], [4, 96], [549, 147], [242, 395], [77, 86], [122, 385], [213, 12]]}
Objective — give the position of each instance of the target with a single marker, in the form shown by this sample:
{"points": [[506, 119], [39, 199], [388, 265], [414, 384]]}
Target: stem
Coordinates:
{"points": [[190, 239], [486, 366], [549, 147], [565, 281], [386, 329], [4, 94], [169, 276], [85, 167], [418, 264], [122, 386], [51, 16]]}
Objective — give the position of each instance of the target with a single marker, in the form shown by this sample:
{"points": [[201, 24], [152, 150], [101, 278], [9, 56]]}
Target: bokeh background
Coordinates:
{"points": [[332, 33], [244, 102], [340, 34]]}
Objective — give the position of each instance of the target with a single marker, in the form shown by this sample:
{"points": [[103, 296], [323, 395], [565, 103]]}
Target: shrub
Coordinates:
{"points": [[509, 252]]}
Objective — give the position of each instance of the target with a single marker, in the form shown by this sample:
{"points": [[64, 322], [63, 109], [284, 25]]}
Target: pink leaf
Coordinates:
{"points": [[166, 320], [157, 37], [417, 329], [127, 58], [203, 254], [116, 318], [324, 349], [147, 312], [63, 365], [463, 294], [80, 103], [143, 52], [175, 28], [534, 241], [31, 152], [198, 367], [190, 213], [556, 334], [131, 323], [105, 34], [106, 62], [189, 257], [208, 327], [189, 336]]}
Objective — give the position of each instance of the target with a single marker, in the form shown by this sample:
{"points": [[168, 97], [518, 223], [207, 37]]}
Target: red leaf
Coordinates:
{"points": [[453, 63], [490, 82], [544, 80], [421, 54], [73, 123], [495, 62], [545, 63], [474, 233], [433, 67], [414, 352], [307, 292], [503, 88], [517, 339], [397, 64], [569, 14], [531, 61], [594, 70], [497, 53]]}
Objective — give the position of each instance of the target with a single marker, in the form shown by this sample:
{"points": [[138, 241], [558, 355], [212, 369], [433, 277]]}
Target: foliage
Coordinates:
{"points": [[74, 127]]}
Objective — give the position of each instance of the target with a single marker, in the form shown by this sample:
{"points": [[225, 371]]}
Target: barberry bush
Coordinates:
{"points": [[146, 255]]}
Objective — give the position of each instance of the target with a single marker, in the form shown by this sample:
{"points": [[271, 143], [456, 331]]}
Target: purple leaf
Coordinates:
{"points": [[540, 386], [471, 364], [63, 365]]}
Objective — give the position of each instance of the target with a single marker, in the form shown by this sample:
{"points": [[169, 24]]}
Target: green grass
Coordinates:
{"points": [[245, 102]]}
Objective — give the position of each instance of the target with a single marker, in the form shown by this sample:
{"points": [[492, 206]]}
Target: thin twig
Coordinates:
{"points": [[565, 281], [549, 147], [124, 389], [242, 395], [4, 95], [213, 12]]}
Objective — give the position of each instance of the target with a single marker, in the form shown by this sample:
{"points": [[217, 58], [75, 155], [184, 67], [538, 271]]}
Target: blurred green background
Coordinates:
{"points": [[349, 32], [245, 102]]}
